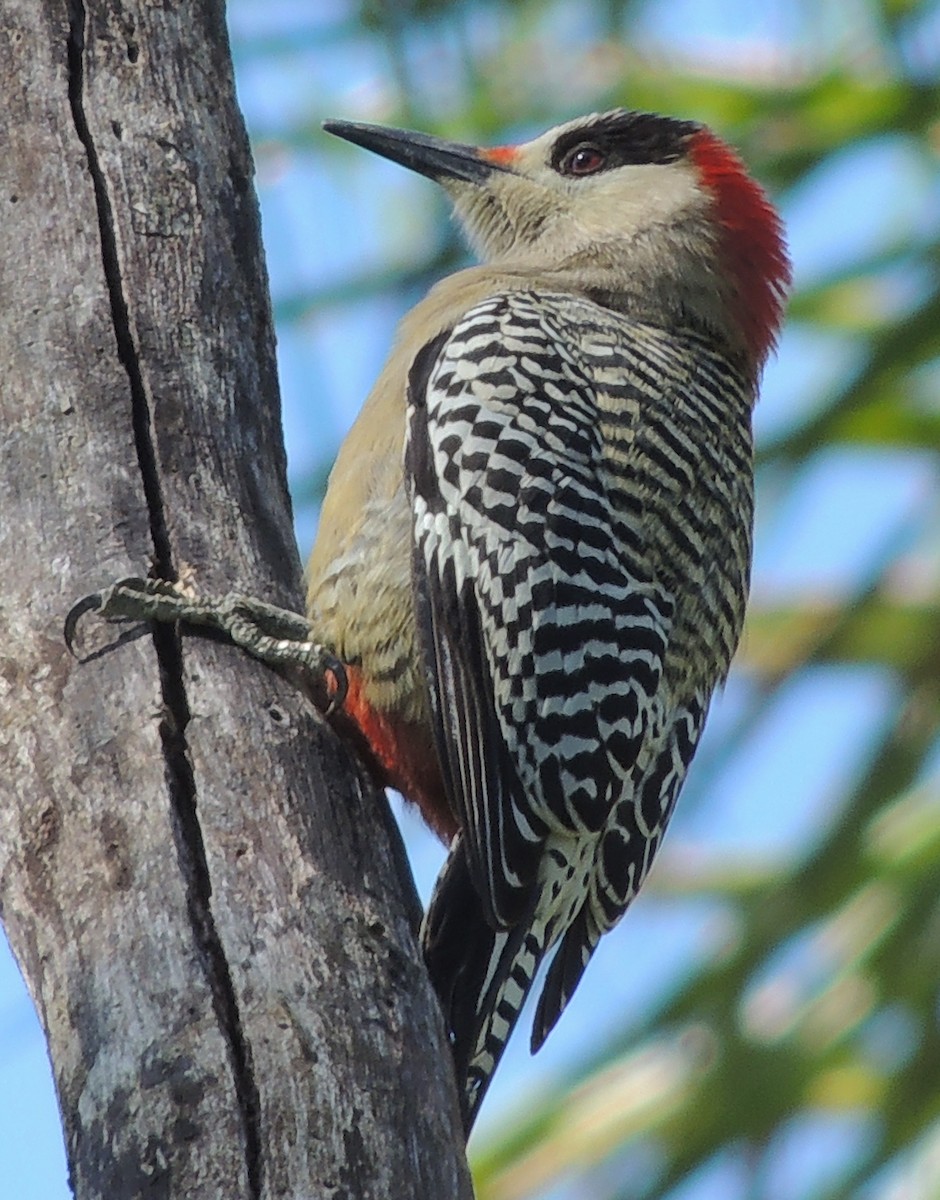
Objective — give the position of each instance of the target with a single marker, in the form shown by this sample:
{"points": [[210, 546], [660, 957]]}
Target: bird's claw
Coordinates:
{"points": [[87, 604], [276, 636], [128, 599], [340, 689]]}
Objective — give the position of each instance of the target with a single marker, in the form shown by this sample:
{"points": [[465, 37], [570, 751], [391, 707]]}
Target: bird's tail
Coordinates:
{"points": [[482, 976], [564, 974]]}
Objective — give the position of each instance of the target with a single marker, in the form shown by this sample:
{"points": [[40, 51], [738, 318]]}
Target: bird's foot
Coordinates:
{"points": [[276, 636]]}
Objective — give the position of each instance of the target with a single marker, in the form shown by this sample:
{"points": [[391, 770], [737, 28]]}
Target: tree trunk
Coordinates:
{"points": [[205, 896]]}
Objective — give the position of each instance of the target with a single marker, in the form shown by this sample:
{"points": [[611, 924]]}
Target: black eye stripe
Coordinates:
{"points": [[623, 138]]}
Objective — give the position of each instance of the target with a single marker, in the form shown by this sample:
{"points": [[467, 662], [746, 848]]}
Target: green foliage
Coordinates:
{"points": [[823, 1003]]}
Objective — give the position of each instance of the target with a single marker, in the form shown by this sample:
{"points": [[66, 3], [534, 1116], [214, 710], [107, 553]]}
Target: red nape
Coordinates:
{"points": [[756, 254], [401, 754]]}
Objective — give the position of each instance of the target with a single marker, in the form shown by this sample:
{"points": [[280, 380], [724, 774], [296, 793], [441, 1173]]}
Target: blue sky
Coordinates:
{"points": [[820, 535]]}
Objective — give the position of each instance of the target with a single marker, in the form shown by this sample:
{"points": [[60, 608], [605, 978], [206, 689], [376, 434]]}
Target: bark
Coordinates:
{"points": [[205, 896]]}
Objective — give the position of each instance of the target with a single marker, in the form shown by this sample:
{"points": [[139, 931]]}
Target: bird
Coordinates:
{"points": [[534, 551]]}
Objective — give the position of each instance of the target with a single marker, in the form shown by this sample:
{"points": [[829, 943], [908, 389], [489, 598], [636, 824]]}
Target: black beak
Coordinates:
{"points": [[420, 152]]}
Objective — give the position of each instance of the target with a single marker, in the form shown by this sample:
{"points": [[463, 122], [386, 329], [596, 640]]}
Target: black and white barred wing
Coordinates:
{"points": [[544, 647]]}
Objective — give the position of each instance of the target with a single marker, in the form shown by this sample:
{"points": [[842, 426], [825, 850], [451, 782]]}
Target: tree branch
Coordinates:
{"points": [[204, 894]]}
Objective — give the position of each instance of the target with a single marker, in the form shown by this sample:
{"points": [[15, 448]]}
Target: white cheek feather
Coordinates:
{"points": [[552, 215]]}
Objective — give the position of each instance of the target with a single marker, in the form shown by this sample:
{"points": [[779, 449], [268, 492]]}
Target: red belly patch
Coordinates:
{"points": [[401, 754]]}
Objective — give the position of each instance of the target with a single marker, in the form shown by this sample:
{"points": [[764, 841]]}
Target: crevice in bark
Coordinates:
{"points": [[127, 350], [179, 773], [192, 858]]}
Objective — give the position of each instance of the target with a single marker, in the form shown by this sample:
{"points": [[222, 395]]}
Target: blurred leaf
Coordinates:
{"points": [[903, 637]]}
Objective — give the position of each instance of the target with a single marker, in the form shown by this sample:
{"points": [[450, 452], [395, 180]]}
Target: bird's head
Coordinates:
{"points": [[655, 210]]}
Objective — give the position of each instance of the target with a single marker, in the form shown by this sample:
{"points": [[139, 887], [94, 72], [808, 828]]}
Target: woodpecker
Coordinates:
{"points": [[534, 552]]}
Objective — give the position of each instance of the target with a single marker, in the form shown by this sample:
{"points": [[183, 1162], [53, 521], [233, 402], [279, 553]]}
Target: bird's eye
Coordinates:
{"points": [[584, 160]]}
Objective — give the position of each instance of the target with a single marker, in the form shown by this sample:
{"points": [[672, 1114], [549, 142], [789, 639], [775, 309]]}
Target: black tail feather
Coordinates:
{"points": [[471, 965], [457, 942], [564, 975]]}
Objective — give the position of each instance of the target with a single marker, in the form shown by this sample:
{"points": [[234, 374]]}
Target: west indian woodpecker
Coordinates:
{"points": [[533, 557]]}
